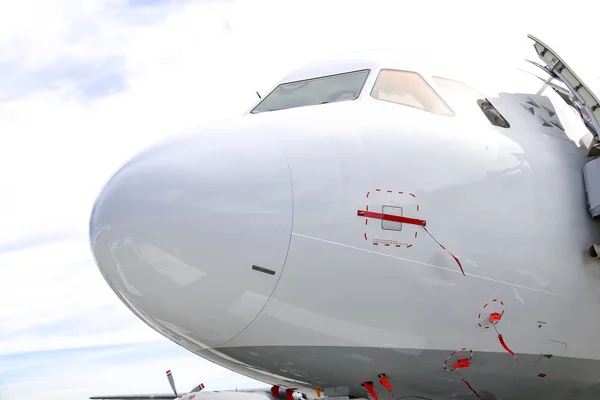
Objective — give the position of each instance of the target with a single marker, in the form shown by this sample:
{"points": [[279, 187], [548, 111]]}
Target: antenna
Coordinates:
{"points": [[172, 382], [258, 95]]}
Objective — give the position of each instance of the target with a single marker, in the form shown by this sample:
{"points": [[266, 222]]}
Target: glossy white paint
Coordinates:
{"points": [[177, 230], [231, 194]]}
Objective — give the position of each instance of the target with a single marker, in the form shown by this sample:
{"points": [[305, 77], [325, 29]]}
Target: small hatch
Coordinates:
{"points": [[391, 225]]}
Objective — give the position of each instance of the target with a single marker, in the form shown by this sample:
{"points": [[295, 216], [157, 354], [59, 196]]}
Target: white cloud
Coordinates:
{"points": [[180, 64], [53, 297], [121, 370]]}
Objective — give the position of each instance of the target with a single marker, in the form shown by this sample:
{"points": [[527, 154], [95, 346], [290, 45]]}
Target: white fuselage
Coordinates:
{"points": [[334, 299]]}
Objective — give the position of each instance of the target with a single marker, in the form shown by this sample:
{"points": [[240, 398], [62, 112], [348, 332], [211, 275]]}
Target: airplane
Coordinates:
{"points": [[183, 396], [374, 228]]}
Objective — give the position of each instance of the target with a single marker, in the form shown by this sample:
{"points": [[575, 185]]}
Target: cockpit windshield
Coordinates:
{"points": [[458, 92], [326, 89], [409, 89]]}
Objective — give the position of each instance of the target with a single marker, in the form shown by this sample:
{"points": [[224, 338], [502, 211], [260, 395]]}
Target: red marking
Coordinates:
{"points": [[367, 207], [389, 217], [410, 245], [378, 190], [384, 381], [462, 363], [447, 251], [398, 245], [501, 339], [387, 244], [275, 391], [389, 191], [169, 373], [416, 233], [365, 235], [375, 244], [412, 195], [201, 386], [288, 393], [370, 389], [542, 375], [368, 193], [485, 305], [471, 387], [366, 221], [479, 316], [400, 192], [457, 261], [417, 207], [495, 317]]}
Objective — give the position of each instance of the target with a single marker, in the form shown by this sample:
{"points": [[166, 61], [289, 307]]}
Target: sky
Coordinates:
{"points": [[85, 84]]}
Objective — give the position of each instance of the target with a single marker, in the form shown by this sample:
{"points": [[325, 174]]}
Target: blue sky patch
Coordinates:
{"points": [[90, 78], [147, 3], [30, 241]]}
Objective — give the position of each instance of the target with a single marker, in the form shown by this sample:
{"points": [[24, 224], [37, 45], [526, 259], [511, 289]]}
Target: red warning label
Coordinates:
{"points": [[391, 218]]}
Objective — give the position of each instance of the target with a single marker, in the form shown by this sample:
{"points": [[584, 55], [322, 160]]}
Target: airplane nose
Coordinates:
{"points": [[192, 234]]}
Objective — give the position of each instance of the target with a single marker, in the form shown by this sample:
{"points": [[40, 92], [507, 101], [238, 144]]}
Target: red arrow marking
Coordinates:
{"points": [[389, 217]]}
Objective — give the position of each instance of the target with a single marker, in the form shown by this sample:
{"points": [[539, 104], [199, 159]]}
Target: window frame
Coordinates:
{"points": [[450, 113], [437, 78], [480, 100], [360, 90]]}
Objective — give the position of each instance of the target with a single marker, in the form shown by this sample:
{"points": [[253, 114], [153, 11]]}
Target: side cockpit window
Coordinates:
{"points": [[326, 89], [466, 100], [459, 88], [409, 89]]}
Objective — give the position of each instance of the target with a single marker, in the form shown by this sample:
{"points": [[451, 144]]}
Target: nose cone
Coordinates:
{"points": [[192, 234]]}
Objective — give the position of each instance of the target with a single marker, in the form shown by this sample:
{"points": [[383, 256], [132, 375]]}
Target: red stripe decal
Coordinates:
{"points": [[471, 387], [393, 218], [501, 339], [457, 261]]}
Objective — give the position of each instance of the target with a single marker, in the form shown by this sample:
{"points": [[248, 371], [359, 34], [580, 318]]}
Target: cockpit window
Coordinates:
{"points": [[457, 88], [461, 96], [326, 89], [467, 100], [409, 89]]}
